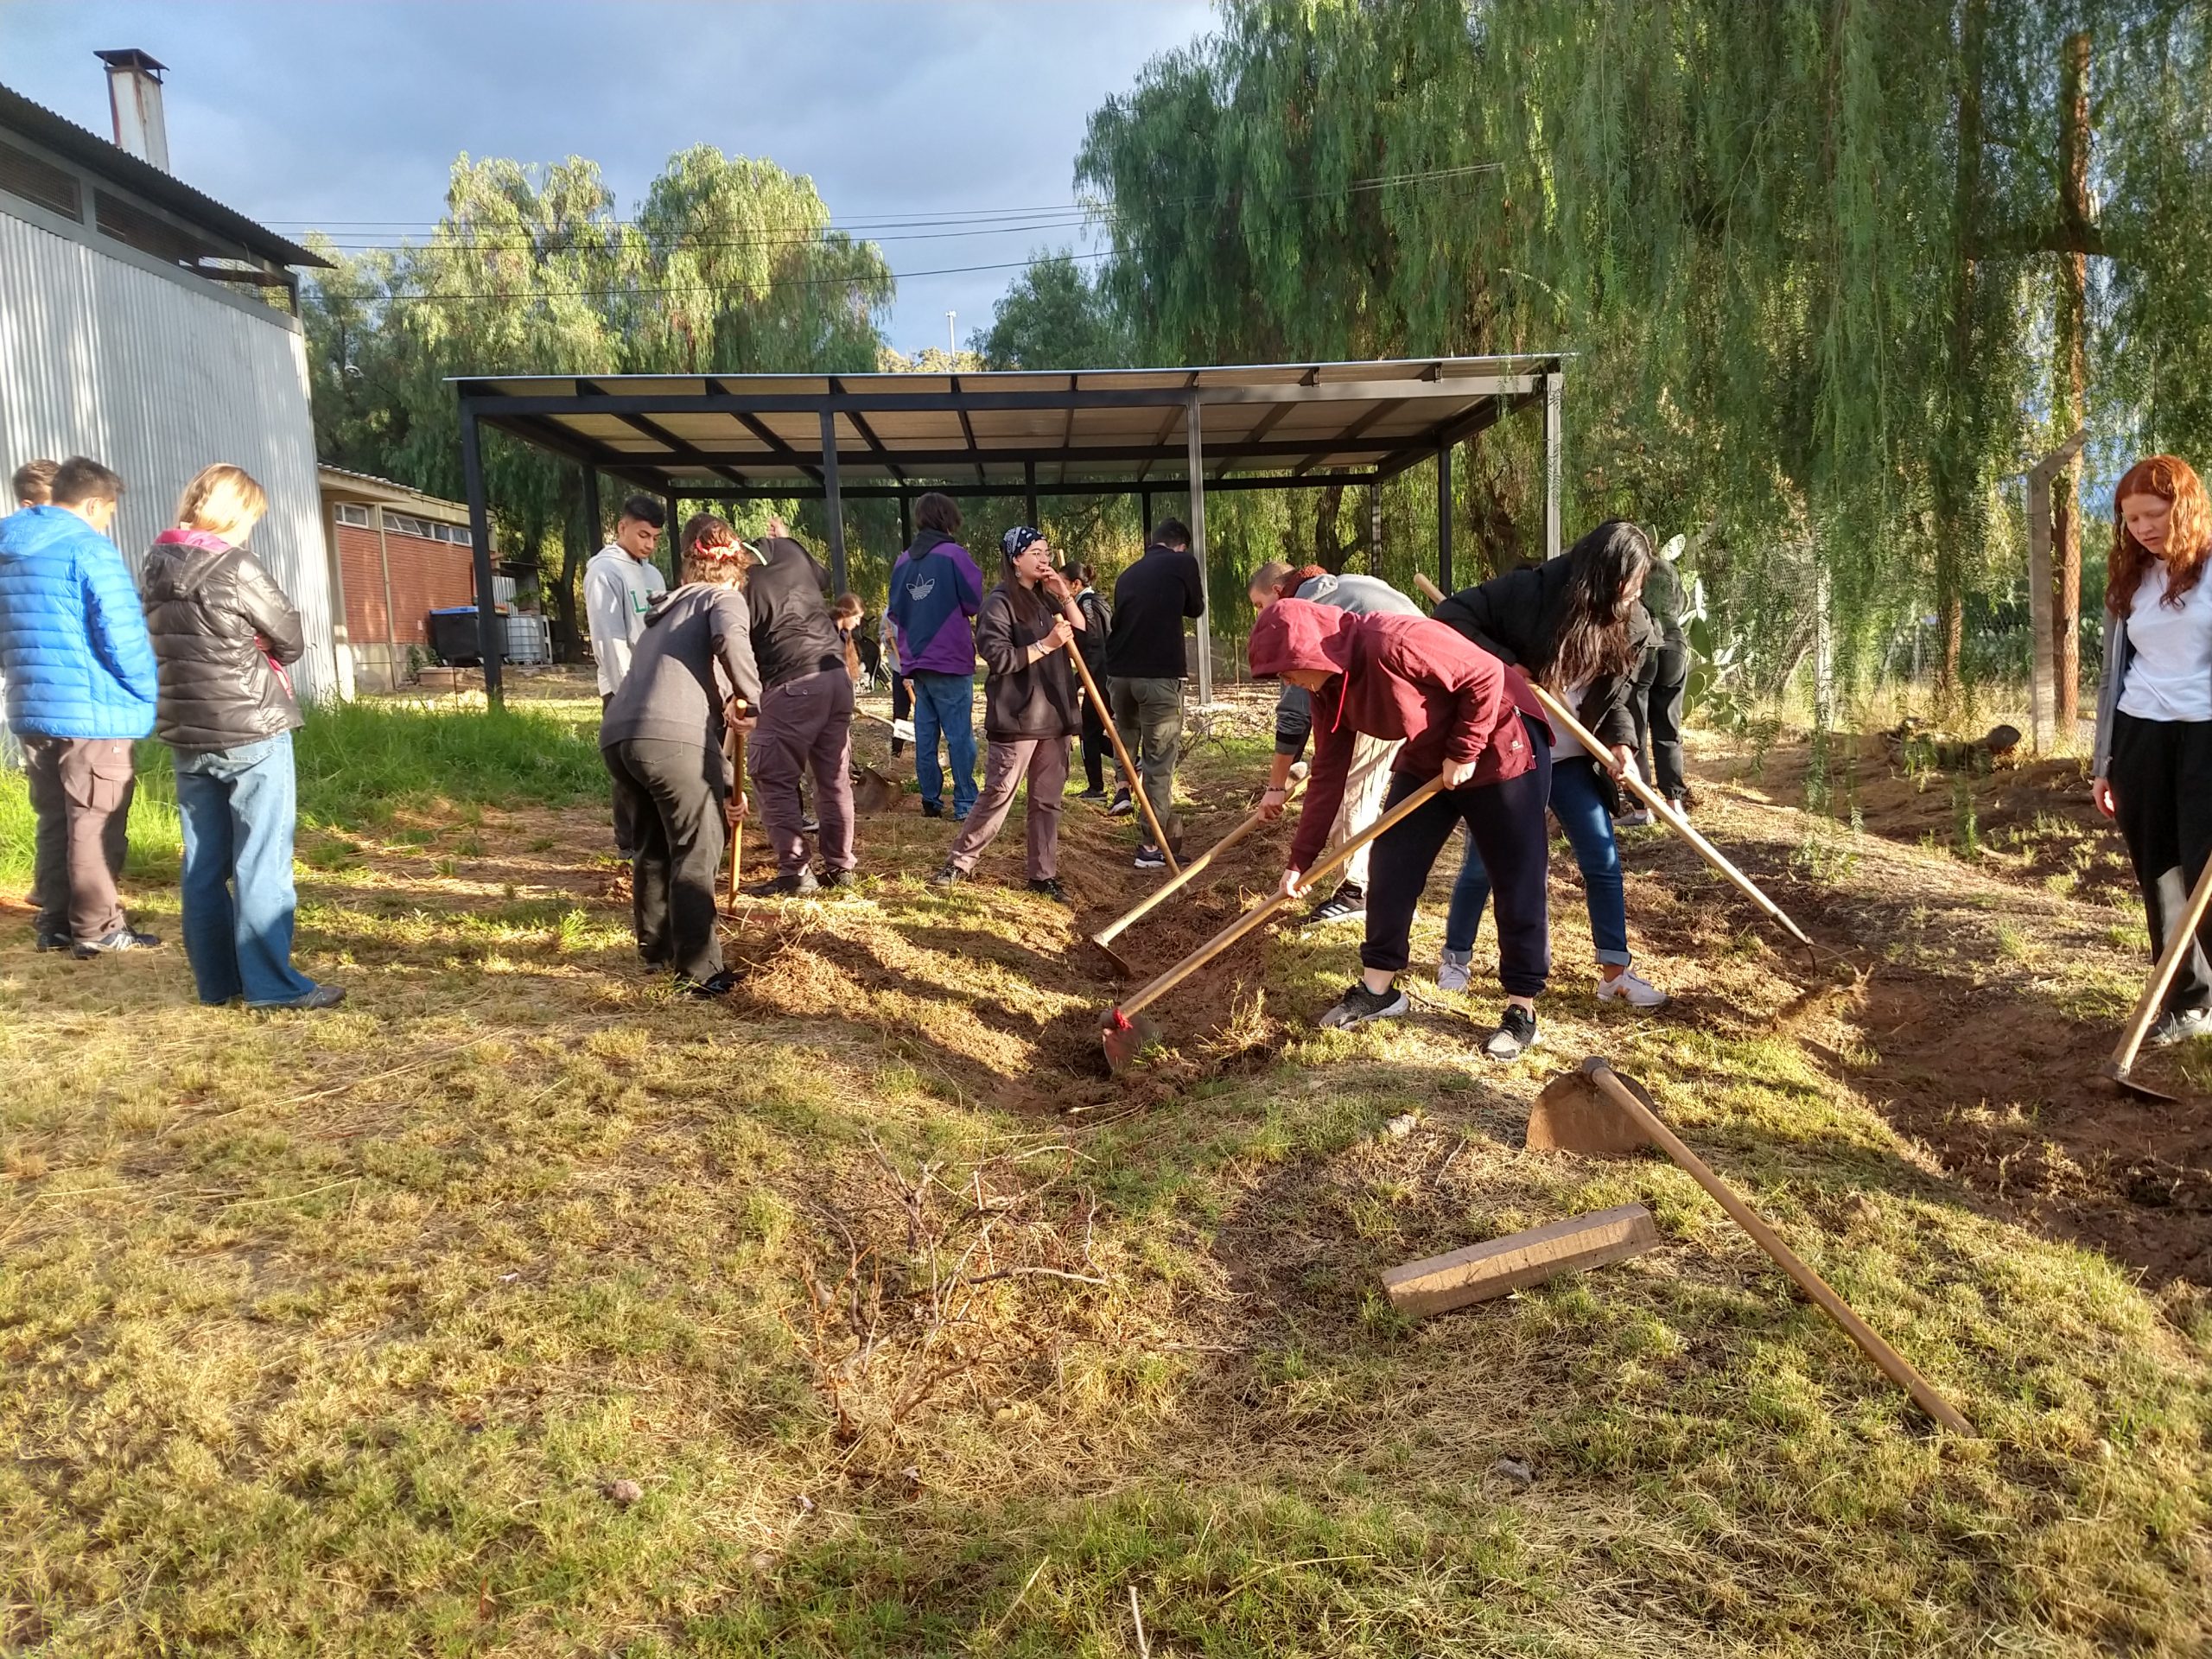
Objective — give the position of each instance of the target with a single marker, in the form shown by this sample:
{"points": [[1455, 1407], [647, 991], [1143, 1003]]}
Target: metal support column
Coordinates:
{"points": [[489, 640], [833, 506], [1375, 531], [905, 521], [596, 528], [675, 530], [1444, 517], [1029, 484], [1554, 442], [1144, 516], [1193, 425]]}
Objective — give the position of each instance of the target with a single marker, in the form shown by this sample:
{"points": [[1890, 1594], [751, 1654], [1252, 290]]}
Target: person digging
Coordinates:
{"points": [[1457, 712]]}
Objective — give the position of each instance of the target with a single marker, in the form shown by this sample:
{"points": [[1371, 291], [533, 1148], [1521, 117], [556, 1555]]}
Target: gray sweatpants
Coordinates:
{"points": [[1149, 715], [1044, 762]]}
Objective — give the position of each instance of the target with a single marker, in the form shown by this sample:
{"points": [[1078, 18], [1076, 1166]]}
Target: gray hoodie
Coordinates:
{"points": [[1361, 596], [694, 653]]}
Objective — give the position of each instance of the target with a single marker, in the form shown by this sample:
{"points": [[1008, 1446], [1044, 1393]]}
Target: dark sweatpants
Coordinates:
{"points": [[625, 825], [80, 790], [2161, 777], [673, 795], [1506, 823], [806, 724], [1658, 704]]}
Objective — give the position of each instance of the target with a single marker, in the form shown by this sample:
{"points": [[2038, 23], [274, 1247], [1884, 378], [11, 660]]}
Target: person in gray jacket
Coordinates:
{"points": [[2153, 766], [661, 737], [1368, 780]]}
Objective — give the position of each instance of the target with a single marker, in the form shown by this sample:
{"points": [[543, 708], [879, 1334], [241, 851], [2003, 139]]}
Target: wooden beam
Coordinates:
{"points": [[1481, 1272]]}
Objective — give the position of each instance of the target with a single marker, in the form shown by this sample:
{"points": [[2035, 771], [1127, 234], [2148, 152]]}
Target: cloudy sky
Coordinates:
{"points": [[345, 115]]}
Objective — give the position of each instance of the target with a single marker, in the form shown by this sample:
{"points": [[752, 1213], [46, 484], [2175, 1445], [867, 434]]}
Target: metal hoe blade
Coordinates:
{"points": [[1126, 1039], [1572, 1115], [2119, 1076], [1122, 968]]}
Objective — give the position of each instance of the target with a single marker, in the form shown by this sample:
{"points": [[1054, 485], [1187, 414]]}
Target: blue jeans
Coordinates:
{"points": [[1579, 806], [238, 807], [946, 704]]}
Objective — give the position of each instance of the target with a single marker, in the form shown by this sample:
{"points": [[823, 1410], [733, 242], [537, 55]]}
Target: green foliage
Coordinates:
{"points": [[1053, 316]]}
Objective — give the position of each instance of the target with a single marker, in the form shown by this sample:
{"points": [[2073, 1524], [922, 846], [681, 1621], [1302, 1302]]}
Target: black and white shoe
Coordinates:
{"points": [[1123, 804], [1149, 857], [41, 940], [1358, 1005], [1514, 1036], [718, 985], [793, 884], [809, 825], [313, 1001], [1050, 886], [124, 938], [949, 875], [1096, 797], [830, 876], [1347, 904], [2179, 1025]]}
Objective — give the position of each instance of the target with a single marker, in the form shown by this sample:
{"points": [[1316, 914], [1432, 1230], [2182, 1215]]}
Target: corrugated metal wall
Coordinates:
{"points": [[101, 358]]}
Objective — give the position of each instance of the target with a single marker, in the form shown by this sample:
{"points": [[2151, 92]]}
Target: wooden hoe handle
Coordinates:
{"points": [[1129, 766], [2146, 1007], [1252, 918], [1663, 811], [1895, 1365], [1190, 871]]}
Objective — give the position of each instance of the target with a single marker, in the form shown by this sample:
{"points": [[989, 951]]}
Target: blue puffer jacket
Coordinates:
{"points": [[74, 649]]}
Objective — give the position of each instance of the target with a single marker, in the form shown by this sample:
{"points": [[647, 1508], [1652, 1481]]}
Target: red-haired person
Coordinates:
{"points": [[1454, 708], [2153, 770]]}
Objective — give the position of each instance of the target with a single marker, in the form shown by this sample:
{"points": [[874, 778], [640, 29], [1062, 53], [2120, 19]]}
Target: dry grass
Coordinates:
{"points": [[916, 1334]]}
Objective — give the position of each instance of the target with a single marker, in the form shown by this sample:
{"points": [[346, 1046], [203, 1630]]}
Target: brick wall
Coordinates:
{"points": [[425, 575]]}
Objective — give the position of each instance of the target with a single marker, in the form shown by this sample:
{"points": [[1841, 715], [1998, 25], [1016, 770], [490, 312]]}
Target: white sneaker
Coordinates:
{"points": [[1639, 992], [1451, 968], [1635, 819]]}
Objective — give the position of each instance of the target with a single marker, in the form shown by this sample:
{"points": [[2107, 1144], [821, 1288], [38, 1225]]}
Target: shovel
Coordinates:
{"points": [[1595, 1109], [734, 746], [1122, 924], [1126, 1035], [1662, 809], [1122, 754], [2146, 1007]]}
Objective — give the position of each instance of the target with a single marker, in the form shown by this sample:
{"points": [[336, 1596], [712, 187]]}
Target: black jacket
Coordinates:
{"points": [[220, 627], [1151, 598], [1515, 617], [695, 654], [1022, 698], [793, 634]]}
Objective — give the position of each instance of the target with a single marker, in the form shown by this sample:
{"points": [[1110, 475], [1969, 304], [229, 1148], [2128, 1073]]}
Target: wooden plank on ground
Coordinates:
{"points": [[1503, 1265]]}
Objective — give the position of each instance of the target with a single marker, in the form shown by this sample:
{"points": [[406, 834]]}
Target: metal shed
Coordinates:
{"points": [[1020, 434]]}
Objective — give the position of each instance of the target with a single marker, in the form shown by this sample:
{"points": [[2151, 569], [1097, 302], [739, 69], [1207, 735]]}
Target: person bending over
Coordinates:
{"points": [[805, 714], [2153, 765], [662, 739], [1023, 632], [1452, 708], [1574, 625], [226, 637], [1372, 757], [1662, 680]]}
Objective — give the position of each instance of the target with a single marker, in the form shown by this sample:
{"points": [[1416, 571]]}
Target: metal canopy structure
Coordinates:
{"points": [[1022, 434]]}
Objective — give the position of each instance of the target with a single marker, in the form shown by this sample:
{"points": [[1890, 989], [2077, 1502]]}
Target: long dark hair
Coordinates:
{"points": [[1592, 637]]}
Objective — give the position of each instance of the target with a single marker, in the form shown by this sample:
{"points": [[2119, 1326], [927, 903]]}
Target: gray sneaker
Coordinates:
{"points": [[1358, 1005], [2179, 1025], [1514, 1036]]}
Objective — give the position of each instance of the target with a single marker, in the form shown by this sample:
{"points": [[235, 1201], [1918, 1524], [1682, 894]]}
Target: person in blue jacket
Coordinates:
{"points": [[81, 685]]}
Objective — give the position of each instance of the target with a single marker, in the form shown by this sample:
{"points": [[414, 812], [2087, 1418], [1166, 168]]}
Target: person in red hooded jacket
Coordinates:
{"points": [[1458, 710]]}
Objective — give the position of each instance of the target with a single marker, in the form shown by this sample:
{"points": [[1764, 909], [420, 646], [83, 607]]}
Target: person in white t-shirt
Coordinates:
{"points": [[2153, 768], [621, 584]]}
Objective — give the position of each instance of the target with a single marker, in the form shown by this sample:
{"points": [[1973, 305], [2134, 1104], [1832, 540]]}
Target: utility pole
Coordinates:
{"points": [[952, 340]]}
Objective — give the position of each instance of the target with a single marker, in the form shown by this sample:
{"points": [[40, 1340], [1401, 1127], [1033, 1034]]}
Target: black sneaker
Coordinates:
{"points": [[717, 984], [1514, 1036], [932, 809], [2179, 1025], [1359, 1005], [1151, 858], [1123, 805], [809, 825], [1094, 796], [830, 876], [949, 875], [793, 884], [1050, 886], [122, 939], [1346, 903], [313, 1001], [41, 940]]}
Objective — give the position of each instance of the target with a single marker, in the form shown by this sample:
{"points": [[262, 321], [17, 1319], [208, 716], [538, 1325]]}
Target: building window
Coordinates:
{"points": [[350, 513], [458, 535]]}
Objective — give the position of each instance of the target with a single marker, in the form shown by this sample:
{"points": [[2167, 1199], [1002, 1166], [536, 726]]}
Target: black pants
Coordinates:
{"points": [[902, 707], [1658, 704], [1095, 748], [673, 792], [1506, 822], [80, 790], [625, 823], [2161, 777]]}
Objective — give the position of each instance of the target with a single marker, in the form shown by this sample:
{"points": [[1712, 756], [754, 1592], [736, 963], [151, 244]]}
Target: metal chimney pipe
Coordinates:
{"points": [[134, 96]]}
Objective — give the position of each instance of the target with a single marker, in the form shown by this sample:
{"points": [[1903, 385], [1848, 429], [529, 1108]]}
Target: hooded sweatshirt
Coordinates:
{"points": [[617, 592], [223, 634], [1361, 596], [793, 634], [1393, 676], [694, 654], [935, 589]]}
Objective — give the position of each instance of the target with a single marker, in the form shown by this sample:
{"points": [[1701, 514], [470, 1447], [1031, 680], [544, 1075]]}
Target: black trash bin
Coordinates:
{"points": [[454, 638]]}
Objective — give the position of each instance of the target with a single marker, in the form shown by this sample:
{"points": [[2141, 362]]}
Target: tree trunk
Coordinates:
{"points": [[1329, 549], [2071, 393], [1954, 518]]}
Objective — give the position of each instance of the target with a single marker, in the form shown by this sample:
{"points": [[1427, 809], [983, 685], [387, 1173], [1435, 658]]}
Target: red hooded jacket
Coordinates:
{"points": [[1395, 677]]}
